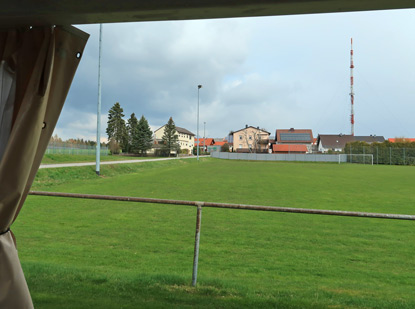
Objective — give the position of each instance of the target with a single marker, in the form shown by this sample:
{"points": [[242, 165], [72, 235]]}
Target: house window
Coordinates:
{"points": [[250, 137], [240, 146], [240, 137]]}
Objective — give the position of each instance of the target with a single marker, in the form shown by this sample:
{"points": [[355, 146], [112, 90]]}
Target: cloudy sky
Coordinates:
{"points": [[272, 72]]}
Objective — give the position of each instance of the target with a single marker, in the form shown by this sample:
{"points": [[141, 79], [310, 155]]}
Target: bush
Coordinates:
{"points": [[161, 152], [224, 147], [114, 147]]}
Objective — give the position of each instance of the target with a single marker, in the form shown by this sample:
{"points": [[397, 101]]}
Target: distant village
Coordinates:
{"points": [[251, 139], [136, 137]]}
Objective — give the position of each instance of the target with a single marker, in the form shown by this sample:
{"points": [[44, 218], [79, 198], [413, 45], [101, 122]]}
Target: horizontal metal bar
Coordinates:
{"points": [[231, 206]]}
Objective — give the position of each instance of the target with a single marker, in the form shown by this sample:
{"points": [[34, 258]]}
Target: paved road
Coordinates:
{"points": [[112, 162]]}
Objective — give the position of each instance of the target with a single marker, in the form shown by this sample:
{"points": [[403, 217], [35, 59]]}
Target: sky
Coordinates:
{"points": [[275, 72]]}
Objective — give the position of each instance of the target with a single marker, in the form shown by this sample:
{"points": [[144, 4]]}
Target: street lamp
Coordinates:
{"points": [[197, 138], [98, 147], [204, 136]]}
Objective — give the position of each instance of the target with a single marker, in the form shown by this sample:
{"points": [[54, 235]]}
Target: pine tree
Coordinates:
{"points": [[132, 128], [170, 138], [144, 138], [116, 128]]}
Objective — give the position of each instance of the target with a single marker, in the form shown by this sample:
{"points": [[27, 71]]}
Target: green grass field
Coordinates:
{"points": [[102, 254]]}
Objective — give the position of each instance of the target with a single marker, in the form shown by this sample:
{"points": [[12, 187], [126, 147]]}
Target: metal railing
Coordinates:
{"points": [[199, 206]]}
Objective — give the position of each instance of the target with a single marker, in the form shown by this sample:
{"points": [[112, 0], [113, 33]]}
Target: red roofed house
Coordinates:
{"points": [[401, 140], [293, 141], [284, 148], [204, 143]]}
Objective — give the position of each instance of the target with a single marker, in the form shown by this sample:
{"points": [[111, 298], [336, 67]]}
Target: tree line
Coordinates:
{"points": [[55, 140], [135, 136]]}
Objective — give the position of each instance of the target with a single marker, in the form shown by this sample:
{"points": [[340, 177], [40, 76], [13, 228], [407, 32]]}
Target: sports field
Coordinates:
{"points": [[103, 254]]}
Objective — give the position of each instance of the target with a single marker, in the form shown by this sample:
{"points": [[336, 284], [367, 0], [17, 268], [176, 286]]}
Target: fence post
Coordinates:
{"points": [[364, 152], [197, 241], [377, 155], [404, 156]]}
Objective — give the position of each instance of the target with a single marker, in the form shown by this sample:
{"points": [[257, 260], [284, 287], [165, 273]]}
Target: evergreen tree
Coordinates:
{"points": [[170, 138], [116, 128], [132, 128], [144, 137]]}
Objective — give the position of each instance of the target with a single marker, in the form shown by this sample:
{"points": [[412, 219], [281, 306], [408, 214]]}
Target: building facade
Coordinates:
{"points": [[186, 138], [250, 139]]}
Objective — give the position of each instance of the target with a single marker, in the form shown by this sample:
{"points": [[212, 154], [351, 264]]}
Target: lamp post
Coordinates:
{"points": [[98, 148], [197, 138], [204, 136]]}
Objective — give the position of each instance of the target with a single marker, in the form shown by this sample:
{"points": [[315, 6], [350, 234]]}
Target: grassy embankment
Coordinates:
{"points": [[98, 254], [68, 158]]}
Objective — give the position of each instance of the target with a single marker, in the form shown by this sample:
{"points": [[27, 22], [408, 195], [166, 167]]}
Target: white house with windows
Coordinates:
{"points": [[186, 138]]}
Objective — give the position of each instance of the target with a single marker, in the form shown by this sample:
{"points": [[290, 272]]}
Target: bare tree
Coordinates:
{"points": [[254, 138]]}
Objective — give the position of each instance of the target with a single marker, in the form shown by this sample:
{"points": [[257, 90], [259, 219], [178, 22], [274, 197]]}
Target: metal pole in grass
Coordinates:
{"points": [[198, 142], [197, 241], [98, 150]]}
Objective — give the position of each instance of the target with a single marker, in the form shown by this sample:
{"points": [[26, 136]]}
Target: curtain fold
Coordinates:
{"points": [[37, 66]]}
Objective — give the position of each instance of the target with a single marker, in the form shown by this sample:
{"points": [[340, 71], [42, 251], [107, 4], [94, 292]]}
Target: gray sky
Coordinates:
{"points": [[272, 72]]}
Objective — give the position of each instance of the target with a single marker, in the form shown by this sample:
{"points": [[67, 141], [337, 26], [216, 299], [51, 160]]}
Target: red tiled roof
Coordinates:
{"points": [[289, 148], [404, 139], [208, 141], [220, 143]]}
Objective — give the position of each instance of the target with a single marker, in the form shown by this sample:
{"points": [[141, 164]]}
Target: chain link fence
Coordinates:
{"points": [[385, 155], [74, 149]]}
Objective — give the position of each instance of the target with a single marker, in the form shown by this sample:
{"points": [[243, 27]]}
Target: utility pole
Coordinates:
{"points": [[204, 135], [98, 149], [351, 88], [198, 142]]}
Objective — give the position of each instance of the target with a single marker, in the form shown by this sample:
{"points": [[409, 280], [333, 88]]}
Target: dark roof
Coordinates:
{"points": [[256, 128], [184, 131], [370, 139], [294, 136], [340, 140], [334, 140]]}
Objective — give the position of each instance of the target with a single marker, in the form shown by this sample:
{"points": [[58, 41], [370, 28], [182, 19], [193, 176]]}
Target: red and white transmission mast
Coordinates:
{"points": [[351, 87]]}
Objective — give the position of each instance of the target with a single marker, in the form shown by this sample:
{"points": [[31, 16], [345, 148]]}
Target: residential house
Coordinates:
{"points": [[333, 142], [249, 139], [204, 143], [186, 138], [293, 141], [337, 142]]}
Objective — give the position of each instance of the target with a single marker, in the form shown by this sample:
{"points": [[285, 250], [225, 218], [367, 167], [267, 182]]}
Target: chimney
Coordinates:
{"points": [[246, 126], [291, 129]]}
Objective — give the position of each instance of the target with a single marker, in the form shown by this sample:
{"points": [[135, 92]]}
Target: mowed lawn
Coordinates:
{"points": [[102, 254]]}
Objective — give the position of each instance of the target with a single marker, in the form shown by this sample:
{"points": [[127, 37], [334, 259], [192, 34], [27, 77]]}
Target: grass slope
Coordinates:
{"points": [[99, 254], [69, 158]]}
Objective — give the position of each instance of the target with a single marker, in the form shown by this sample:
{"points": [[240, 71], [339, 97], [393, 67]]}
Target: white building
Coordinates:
{"points": [[186, 138]]}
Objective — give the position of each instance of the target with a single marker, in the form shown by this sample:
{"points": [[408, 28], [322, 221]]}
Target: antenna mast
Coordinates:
{"points": [[351, 88]]}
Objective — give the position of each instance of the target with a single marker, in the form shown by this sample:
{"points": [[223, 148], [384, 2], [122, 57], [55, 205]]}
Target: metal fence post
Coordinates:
{"points": [[197, 241], [364, 152], [377, 155]]}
